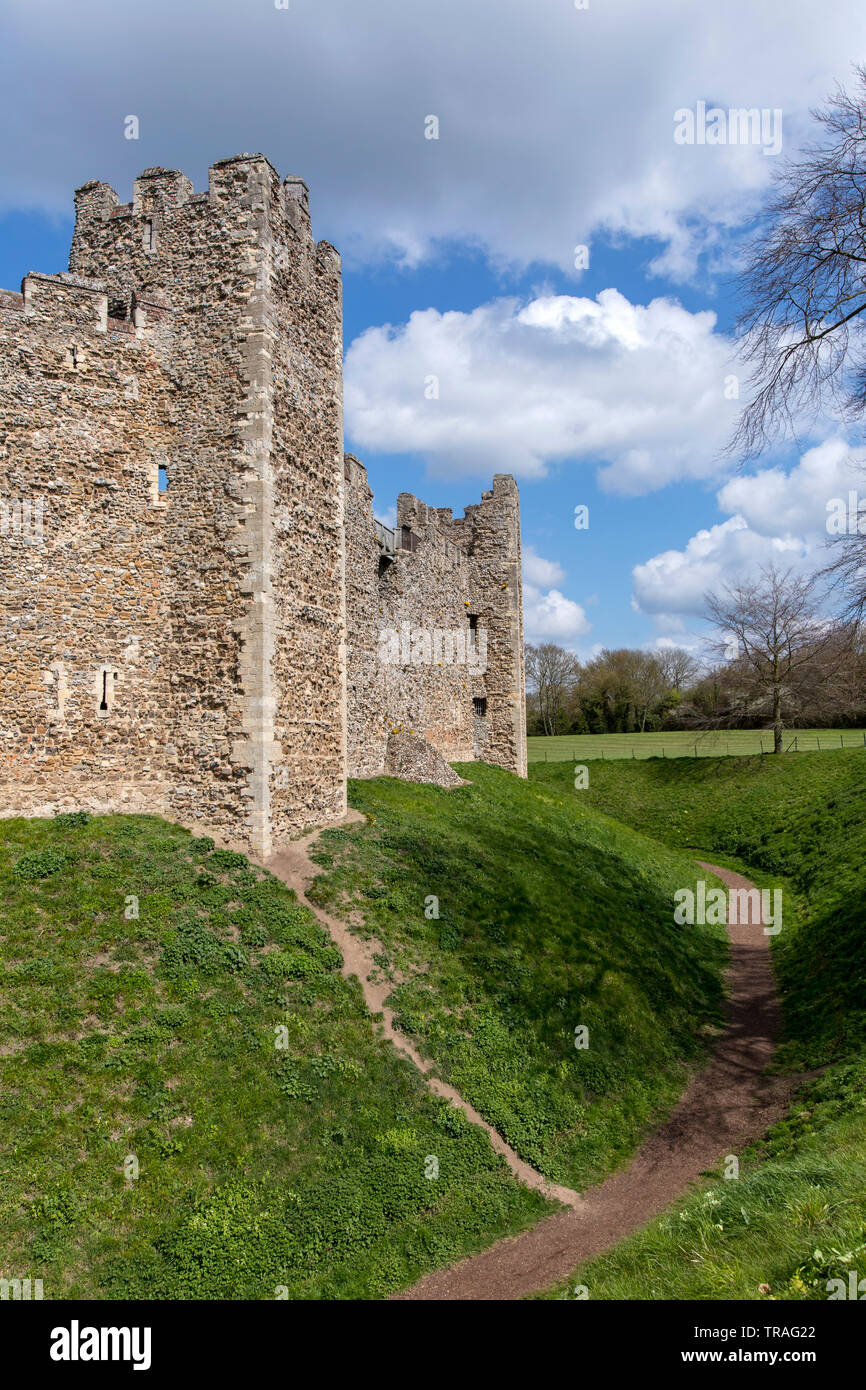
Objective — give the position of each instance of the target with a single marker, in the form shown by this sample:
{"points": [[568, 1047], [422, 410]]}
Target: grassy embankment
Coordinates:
{"points": [[796, 1217], [149, 1040], [152, 1041], [548, 920]]}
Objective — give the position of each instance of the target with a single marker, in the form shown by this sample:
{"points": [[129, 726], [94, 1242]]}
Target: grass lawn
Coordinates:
{"points": [[550, 916]]}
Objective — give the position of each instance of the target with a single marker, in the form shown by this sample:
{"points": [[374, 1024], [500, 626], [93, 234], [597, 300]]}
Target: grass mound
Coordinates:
{"points": [[194, 1103], [506, 922]]}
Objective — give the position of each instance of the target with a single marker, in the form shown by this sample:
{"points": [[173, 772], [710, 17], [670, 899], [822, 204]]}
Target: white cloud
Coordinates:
{"points": [[536, 570], [556, 125], [775, 517], [639, 390], [775, 503], [551, 617], [548, 616]]}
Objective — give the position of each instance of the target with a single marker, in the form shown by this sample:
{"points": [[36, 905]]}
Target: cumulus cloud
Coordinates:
{"points": [[639, 389], [555, 125], [776, 516], [551, 617], [773, 502], [537, 570], [548, 616]]}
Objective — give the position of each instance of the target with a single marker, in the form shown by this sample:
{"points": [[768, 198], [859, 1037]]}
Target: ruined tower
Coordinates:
{"points": [[175, 515], [196, 633]]}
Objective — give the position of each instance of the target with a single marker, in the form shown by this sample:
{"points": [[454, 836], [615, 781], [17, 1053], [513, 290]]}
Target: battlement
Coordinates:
{"points": [[164, 204], [72, 301], [463, 530]]}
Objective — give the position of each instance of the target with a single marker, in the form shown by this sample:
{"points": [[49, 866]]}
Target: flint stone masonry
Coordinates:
{"points": [[210, 652]]}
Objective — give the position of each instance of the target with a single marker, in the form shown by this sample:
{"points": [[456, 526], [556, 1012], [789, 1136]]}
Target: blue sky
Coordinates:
{"points": [[602, 386]]}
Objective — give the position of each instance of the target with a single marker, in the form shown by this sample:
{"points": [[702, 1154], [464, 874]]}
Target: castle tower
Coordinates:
{"points": [[179, 650]]}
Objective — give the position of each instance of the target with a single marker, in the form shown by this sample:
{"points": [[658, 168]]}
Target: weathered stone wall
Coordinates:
{"points": [[308, 779], [86, 416], [468, 567]]}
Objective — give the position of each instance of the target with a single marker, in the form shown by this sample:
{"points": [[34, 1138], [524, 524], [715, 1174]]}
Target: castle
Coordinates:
{"points": [[195, 589]]}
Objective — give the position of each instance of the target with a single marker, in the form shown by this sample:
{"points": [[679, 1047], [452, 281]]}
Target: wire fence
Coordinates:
{"points": [[736, 743]]}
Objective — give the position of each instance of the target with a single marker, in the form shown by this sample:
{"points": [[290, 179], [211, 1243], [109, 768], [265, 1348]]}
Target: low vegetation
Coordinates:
{"points": [[798, 820]]}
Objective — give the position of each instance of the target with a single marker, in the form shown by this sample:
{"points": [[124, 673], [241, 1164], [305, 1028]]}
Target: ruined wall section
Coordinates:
{"points": [[86, 417], [434, 586], [490, 534]]}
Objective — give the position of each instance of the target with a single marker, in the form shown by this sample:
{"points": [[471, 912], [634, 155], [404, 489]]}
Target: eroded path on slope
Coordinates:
{"points": [[727, 1105], [294, 866]]}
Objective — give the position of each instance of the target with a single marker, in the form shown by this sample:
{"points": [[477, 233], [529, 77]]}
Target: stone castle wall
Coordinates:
{"points": [[185, 651], [461, 580]]}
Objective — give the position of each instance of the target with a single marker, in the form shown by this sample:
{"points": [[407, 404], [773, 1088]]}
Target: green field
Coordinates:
{"points": [[796, 1216], [678, 744]]}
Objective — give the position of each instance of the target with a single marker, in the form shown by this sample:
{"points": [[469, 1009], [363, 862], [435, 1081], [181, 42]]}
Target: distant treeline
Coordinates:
{"points": [[628, 691]]}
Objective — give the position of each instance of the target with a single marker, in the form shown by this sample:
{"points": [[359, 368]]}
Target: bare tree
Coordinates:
{"points": [[551, 673], [648, 685], [679, 668], [804, 282], [786, 652], [847, 570]]}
